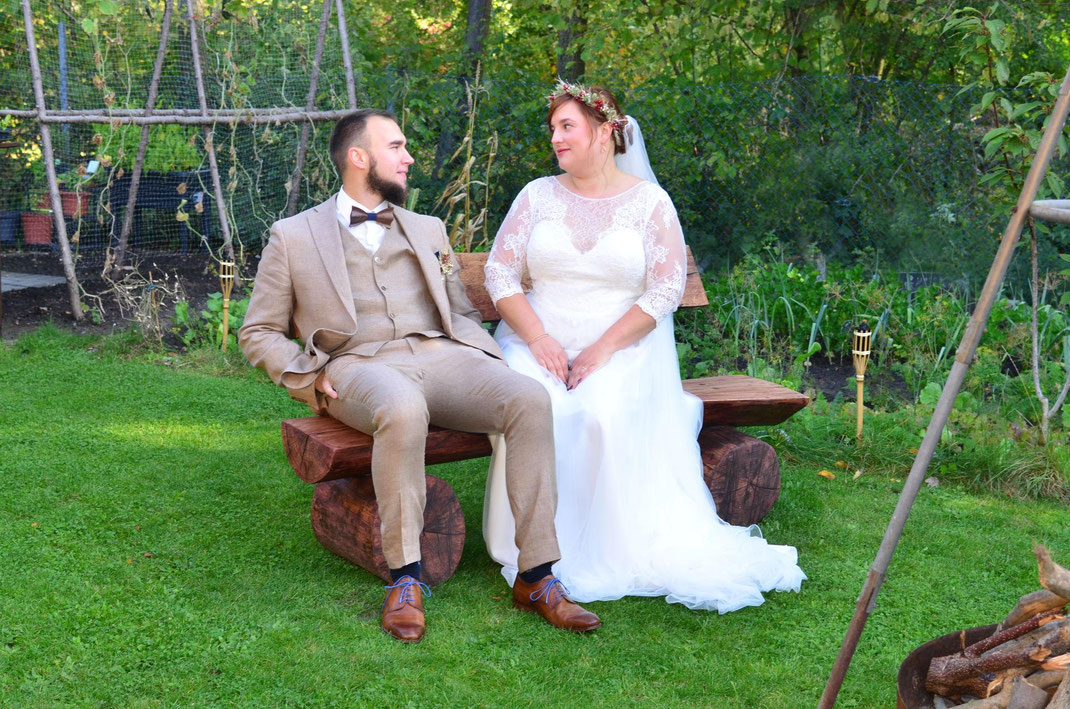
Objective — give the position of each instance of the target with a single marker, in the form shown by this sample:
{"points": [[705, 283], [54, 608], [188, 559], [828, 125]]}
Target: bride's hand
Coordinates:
{"points": [[549, 354], [587, 362]]}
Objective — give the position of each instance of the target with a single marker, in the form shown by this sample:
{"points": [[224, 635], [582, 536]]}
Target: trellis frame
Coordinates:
{"points": [[202, 116]]}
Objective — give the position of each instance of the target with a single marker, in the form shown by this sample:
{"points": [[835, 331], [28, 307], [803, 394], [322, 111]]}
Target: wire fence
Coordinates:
{"points": [[836, 168]]}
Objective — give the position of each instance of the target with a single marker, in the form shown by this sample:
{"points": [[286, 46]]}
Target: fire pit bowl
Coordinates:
{"points": [[910, 684]]}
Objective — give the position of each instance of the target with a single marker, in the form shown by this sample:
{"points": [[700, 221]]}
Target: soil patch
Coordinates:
{"points": [[837, 377], [27, 309]]}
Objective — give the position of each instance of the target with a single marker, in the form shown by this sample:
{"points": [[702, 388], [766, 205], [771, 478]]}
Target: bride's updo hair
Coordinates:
{"points": [[595, 102]]}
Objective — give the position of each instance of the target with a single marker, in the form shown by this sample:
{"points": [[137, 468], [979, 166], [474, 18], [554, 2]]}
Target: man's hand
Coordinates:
{"points": [[323, 384]]}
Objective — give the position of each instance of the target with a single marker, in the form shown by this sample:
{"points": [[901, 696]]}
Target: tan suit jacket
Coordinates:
{"points": [[302, 291]]}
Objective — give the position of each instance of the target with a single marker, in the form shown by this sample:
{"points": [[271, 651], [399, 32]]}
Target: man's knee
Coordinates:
{"points": [[404, 415], [528, 396]]}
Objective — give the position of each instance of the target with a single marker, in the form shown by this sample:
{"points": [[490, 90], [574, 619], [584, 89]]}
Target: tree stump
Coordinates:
{"points": [[742, 473], [345, 519]]}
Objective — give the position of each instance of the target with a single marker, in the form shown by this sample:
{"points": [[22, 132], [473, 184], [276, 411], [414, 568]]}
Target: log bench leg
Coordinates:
{"points": [[345, 519], [743, 474]]}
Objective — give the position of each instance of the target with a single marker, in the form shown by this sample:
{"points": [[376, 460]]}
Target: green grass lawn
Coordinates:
{"points": [[155, 549]]}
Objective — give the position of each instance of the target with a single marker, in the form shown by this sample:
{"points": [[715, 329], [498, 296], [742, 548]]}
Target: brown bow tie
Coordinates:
{"points": [[384, 217]]}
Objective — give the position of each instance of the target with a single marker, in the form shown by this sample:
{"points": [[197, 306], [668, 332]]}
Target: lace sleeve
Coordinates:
{"points": [[666, 261], [507, 263]]}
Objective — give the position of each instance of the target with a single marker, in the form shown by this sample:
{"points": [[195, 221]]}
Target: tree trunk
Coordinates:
{"points": [[570, 64], [475, 39]]}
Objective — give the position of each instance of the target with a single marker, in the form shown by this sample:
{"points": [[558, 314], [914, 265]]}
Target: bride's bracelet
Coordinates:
{"points": [[535, 339]]}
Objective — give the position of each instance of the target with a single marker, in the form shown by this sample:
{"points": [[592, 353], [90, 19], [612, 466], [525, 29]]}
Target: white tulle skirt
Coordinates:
{"points": [[634, 517]]}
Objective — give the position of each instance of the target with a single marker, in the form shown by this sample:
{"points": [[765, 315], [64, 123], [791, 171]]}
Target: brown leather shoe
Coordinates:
{"points": [[549, 598], [403, 609]]}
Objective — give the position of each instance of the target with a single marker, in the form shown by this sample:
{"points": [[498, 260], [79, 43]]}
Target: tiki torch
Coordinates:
{"points": [[226, 283], [860, 348]]}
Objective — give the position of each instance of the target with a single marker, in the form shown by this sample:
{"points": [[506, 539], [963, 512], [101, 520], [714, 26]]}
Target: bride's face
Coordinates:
{"points": [[572, 138]]}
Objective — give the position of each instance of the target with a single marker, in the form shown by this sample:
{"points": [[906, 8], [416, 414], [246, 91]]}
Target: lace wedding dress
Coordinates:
{"points": [[634, 517]]}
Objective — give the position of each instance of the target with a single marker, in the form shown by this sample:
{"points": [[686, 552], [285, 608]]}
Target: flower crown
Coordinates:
{"points": [[592, 99]]}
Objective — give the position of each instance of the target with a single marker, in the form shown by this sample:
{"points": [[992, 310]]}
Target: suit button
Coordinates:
{"points": [[378, 259], [392, 316], [382, 287]]}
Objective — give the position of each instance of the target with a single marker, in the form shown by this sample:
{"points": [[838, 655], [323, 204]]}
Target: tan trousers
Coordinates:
{"points": [[411, 383]]}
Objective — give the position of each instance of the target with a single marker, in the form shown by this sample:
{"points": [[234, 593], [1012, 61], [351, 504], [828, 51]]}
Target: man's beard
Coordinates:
{"points": [[393, 192]]}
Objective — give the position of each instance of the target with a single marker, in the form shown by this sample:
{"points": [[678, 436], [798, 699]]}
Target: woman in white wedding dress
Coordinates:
{"points": [[604, 253]]}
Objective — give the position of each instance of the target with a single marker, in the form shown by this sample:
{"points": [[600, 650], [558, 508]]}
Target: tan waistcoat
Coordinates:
{"points": [[390, 295]]}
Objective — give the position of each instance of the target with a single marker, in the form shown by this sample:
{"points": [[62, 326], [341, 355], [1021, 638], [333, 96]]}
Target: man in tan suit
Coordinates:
{"points": [[390, 344]]}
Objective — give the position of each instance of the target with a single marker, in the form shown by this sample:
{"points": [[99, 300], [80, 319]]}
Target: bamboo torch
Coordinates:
{"points": [[226, 283], [860, 348]]}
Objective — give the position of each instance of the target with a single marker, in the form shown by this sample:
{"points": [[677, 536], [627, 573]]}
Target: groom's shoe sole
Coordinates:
{"points": [[572, 627]]}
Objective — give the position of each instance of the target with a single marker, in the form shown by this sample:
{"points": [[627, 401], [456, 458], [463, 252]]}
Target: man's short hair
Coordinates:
{"points": [[349, 131]]}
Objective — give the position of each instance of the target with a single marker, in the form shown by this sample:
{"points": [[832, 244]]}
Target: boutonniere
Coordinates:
{"points": [[445, 264]]}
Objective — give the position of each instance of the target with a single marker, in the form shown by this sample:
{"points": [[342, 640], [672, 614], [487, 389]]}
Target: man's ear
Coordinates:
{"points": [[358, 157]]}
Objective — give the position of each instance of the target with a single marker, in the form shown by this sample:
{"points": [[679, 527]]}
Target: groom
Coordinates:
{"points": [[389, 344]]}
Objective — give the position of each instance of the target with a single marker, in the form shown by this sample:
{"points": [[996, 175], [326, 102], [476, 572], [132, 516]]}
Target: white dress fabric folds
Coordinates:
{"points": [[634, 517]]}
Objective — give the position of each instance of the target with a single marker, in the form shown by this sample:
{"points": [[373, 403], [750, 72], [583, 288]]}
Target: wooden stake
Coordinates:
{"points": [[213, 167], [73, 289], [143, 144], [310, 103]]}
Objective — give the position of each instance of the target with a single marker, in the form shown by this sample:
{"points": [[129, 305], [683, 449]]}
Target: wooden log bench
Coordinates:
{"points": [[742, 472]]}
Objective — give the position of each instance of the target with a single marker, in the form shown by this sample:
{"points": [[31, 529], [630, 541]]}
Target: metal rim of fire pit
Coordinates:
{"points": [[910, 682]]}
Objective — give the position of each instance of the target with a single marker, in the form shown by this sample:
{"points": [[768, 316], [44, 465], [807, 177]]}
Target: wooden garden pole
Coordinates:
{"points": [[142, 146], [965, 353], [50, 167], [213, 167], [310, 103], [251, 116], [347, 57]]}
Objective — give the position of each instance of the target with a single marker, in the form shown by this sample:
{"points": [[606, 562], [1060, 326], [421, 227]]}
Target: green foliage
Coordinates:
{"points": [[206, 328]]}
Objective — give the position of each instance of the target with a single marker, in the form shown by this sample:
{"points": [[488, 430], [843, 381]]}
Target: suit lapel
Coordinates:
{"points": [[323, 225], [429, 264]]}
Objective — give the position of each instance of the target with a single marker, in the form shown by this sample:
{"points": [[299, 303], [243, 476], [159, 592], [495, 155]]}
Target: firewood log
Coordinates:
{"points": [[958, 674], [1046, 679], [1061, 698], [1032, 604], [1016, 631], [1052, 576], [998, 700], [1025, 695]]}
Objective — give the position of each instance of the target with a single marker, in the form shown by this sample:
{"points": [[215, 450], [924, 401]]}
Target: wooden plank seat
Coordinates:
{"points": [[742, 472]]}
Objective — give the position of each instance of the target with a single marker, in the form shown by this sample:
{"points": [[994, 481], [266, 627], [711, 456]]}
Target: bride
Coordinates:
{"points": [[604, 252]]}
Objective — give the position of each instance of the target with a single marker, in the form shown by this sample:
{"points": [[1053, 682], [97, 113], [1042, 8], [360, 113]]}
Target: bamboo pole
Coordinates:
{"points": [[213, 167], [107, 114], [248, 117], [310, 103], [139, 161], [347, 57], [965, 354], [73, 290]]}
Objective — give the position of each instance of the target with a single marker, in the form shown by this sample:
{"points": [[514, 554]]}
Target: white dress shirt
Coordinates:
{"points": [[370, 233]]}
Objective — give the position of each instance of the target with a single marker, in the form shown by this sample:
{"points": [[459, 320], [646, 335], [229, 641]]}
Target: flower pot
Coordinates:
{"points": [[37, 229], [9, 224], [910, 684], [75, 204]]}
